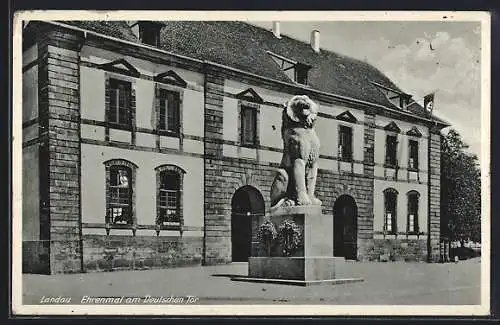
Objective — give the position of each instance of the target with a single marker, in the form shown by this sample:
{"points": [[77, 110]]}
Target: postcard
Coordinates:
{"points": [[251, 163]]}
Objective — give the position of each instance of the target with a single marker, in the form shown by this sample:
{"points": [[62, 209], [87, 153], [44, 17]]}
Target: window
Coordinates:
{"points": [[120, 197], [301, 72], [120, 201], [248, 125], [390, 203], [391, 144], [396, 97], [413, 150], [404, 100], [119, 103], [296, 71], [169, 111], [168, 209], [345, 143], [169, 195], [149, 32], [412, 222], [120, 180]]}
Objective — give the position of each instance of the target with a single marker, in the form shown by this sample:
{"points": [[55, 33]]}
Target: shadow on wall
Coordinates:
{"points": [[36, 257]]}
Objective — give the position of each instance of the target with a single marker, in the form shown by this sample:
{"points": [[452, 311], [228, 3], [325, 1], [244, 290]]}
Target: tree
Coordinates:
{"points": [[460, 190]]}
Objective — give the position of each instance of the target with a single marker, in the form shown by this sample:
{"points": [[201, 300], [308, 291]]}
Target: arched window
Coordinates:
{"points": [[120, 197], [169, 179], [390, 211], [412, 221]]}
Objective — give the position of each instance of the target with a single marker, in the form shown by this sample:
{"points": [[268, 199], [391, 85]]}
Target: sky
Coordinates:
{"points": [[402, 51]]}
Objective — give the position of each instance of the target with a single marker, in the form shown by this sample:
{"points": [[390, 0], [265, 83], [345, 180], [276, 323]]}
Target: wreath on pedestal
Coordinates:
{"points": [[289, 237], [267, 235]]}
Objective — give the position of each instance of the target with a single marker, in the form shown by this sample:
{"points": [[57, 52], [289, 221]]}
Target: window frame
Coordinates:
{"points": [[299, 70], [255, 109], [390, 193], [301, 74], [395, 97], [387, 162], [341, 153], [163, 125], [413, 195], [153, 29], [131, 168], [415, 166], [128, 110], [159, 222], [132, 110], [160, 89]]}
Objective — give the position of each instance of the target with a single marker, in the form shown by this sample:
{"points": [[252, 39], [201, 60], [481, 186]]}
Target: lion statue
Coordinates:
{"points": [[295, 181]]}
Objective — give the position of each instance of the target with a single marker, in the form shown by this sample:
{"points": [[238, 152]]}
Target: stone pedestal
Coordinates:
{"points": [[313, 263]]}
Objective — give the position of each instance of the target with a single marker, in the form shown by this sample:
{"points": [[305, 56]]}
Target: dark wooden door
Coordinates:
{"points": [[345, 227], [247, 203], [241, 236]]}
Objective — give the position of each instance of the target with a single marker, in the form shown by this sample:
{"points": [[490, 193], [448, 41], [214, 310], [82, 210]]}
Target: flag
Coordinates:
{"points": [[429, 103]]}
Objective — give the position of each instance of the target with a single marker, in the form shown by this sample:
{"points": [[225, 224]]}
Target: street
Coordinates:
{"points": [[384, 283]]}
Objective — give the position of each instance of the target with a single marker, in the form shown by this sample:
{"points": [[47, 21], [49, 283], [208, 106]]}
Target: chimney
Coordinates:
{"points": [[276, 29], [315, 40]]}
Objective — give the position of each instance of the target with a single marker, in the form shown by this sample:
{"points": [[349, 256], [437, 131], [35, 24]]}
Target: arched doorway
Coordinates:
{"points": [[345, 226], [246, 204]]}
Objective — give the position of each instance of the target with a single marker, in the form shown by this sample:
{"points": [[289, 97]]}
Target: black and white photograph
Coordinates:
{"points": [[251, 163]]}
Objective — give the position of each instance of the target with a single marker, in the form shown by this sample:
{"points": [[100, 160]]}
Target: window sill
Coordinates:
{"points": [[249, 145], [391, 166], [119, 226], [168, 133], [391, 235], [170, 226], [348, 160], [413, 170], [119, 126]]}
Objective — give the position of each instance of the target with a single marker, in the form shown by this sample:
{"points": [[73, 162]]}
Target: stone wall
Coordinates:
{"points": [[114, 252], [232, 174], [216, 230], [59, 118], [400, 249], [331, 186]]}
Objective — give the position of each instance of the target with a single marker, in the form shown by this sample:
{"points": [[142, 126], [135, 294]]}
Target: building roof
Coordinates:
{"points": [[244, 46], [118, 29]]}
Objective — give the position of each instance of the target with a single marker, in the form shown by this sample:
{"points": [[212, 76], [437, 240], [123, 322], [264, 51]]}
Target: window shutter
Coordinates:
{"points": [[163, 106], [112, 104], [246, 125], [349, 143], [175, 112], [123, 103]]}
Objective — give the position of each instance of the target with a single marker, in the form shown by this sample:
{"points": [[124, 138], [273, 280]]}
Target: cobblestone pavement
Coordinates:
{"points": [[384, 283]]}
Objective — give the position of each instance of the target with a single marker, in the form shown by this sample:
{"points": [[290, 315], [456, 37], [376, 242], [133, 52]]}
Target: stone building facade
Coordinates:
{"points": [[154, 144]]}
